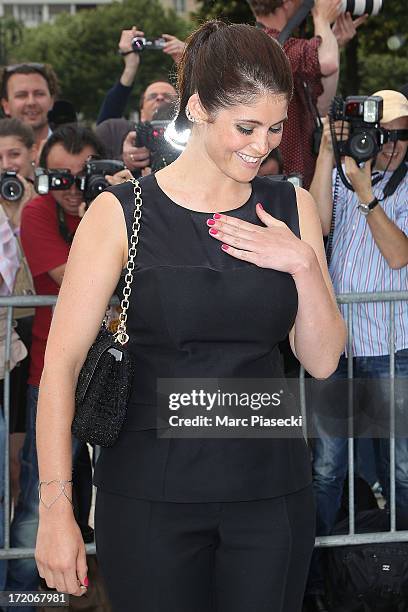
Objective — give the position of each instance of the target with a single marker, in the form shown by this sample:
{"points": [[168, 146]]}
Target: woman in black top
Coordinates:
{"points": [[227, 265]]}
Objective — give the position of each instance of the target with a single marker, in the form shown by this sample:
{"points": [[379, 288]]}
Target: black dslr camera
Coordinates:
{"points": [[140, 43], [11, 188], [91, 181], [151, 134], [363, 113]]}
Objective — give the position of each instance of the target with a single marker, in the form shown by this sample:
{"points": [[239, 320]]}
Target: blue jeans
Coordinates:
{"points": [[22, 573], [330, 456], [3, 564]]}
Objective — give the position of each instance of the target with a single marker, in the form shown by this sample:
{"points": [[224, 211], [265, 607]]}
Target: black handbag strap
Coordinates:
{"points": [[121, 335]]}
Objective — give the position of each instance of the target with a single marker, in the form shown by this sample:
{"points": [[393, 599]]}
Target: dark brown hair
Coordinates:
{"points": [[74, 138], [230, 64], [44, 70], [261, 8], [15, 127]]}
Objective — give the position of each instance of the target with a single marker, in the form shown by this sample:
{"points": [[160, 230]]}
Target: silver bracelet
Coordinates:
{"points": [[62, 483]]}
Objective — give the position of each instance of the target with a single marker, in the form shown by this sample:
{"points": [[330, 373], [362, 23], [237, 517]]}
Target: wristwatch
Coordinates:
{"points": [[365, 209]]}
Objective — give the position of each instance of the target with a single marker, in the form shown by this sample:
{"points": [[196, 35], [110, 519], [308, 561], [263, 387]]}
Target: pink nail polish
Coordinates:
{"points": [[86, 581], [210, 222], [213, 231], [260, 205], [225, 247], [216, 216]]}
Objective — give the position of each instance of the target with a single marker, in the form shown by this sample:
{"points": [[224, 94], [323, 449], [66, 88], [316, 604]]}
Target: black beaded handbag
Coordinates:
{"points": [[105, 380]]}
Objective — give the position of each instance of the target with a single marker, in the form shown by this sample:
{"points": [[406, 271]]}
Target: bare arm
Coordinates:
{"points": [[319, 334], [97, 255], [329, 84], [321, 187], [325, 13], [132, 60]]}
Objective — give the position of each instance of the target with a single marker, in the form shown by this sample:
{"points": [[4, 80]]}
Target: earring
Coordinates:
{"points": [[190, 116]]}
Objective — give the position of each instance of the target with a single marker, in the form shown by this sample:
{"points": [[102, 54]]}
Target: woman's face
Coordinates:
{"points": [[238, 138], [14, 155]]}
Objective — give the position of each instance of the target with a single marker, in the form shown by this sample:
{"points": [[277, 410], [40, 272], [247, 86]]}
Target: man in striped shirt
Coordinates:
{"points": [[369, 254]]}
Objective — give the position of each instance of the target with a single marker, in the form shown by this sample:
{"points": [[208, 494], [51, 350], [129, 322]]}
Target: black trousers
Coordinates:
{"points": [[248, 556]]}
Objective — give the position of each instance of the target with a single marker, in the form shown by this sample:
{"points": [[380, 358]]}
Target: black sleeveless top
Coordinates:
{"points": [[197, 312]]}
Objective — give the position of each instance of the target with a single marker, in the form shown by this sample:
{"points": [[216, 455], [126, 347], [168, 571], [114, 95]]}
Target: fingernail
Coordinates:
{"points": [[225, 247], [213, 231], [260, 205], [216, 216], [86, 581], [210, 222]]}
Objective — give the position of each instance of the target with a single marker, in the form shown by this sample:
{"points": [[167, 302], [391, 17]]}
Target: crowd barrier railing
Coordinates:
{"points": [[350, 299], [349, 539]]}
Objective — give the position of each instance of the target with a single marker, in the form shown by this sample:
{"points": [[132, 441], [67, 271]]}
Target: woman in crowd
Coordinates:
{"points": [[17, 154], [227, 264], [9, 263]]}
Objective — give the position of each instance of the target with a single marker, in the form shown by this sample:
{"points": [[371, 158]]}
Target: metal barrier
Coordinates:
{"points": [[352, 538], [9, 302], [392, 535]]}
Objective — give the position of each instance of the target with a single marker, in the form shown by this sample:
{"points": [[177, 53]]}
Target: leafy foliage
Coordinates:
{"points": [[236, 11], [82, 49]]}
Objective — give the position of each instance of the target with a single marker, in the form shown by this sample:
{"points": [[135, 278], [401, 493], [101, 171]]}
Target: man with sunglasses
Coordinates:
{"points": [[369, 254], [116, 132], [27, 93]]}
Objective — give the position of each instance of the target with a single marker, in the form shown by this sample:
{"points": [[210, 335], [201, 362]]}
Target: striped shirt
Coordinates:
{"points": [[357, 265]]}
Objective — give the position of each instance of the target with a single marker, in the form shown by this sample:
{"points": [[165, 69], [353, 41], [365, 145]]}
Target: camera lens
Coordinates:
{"points": [[11, 188], [362, 146], [138, 44], [96, 184], [360, 7]]}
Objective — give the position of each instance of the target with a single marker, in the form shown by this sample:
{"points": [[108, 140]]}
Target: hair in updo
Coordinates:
{"points": [[230, 64]]}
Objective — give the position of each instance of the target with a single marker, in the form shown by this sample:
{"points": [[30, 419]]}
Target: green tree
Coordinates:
{"points": [[82, 49], [236, 11], [11, 32]]}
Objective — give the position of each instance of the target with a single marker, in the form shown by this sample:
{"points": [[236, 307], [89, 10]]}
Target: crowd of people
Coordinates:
{"points": [[367, 227]]}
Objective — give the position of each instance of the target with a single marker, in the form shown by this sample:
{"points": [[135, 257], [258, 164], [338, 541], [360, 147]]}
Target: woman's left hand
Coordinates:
{"points": [[274, 246]]}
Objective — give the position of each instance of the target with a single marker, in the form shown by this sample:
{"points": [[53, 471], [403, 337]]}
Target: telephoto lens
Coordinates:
{"points": [[362, 7], [11, 188]]}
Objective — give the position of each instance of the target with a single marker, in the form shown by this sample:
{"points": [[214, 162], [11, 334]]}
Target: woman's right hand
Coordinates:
{"points": [[60, 554]]}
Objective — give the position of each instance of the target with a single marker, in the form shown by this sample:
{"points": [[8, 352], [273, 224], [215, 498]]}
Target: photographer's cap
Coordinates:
{"points": [[395, 104]]}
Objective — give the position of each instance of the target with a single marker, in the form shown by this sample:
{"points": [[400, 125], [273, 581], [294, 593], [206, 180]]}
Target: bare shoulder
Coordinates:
{"points": [[309, 220], [104, 222]]}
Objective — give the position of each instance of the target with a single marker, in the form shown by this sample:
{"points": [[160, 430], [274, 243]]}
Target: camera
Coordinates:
{"points": [[363, 113], [362, 7], [151, 134], [91, 181], [11, 188], [140, 43]]}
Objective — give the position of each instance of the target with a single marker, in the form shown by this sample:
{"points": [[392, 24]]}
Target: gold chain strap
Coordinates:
{"points": [[121, 336]]}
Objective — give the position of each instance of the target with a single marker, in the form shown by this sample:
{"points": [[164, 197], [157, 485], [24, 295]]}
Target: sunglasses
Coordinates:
{"points": [[169, 97], [15, 67]]}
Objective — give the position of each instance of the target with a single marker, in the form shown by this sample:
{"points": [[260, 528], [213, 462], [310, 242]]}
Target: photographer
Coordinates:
{"points": [[369, 254], [119, 136], [114, 104], [17, 154], [116, 132], [48, 225], [28, 91]]}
